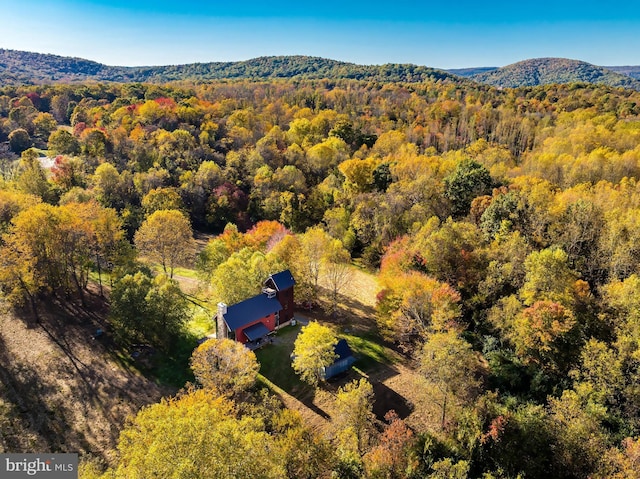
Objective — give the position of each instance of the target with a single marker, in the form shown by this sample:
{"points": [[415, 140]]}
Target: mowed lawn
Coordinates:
{"points": [[275, 358], [275, 363]]}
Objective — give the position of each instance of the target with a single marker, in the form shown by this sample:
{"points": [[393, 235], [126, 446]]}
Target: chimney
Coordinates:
{"points": [[222, 331]]}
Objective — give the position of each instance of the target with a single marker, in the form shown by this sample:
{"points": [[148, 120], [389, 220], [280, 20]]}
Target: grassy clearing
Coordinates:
{"points": [[184, 272], [369, 350], [275, 362]]}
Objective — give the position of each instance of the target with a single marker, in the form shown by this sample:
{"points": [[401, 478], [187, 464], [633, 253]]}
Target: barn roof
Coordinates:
{"points": [[250, 310], [282, 280]]}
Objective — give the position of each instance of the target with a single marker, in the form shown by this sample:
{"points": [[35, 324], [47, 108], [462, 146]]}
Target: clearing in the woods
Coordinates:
{"points": [[61, 389], [396, 385]]}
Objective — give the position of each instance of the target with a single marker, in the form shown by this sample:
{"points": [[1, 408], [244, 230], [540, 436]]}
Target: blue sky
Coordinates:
{"points": [[445, 34]]}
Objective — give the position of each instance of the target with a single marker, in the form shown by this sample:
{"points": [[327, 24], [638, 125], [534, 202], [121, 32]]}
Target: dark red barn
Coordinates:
{"points": [[254, 318]]}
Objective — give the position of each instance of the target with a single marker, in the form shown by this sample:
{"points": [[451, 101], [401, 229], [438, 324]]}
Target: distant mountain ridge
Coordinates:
{"points": [[19, 67], [469, 72], [26, 67], [542, 71], [632, 71]]}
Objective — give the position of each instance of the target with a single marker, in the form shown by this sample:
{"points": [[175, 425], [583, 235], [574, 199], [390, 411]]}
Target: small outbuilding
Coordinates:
{"points": [[343, 362]]}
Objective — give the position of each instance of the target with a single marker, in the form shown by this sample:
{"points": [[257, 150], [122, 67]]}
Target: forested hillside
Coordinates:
{"points": [[543, 71], [17, 67], [632, 71], [501, 226]]}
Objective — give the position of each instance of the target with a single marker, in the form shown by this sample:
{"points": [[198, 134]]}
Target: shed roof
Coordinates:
{"points": [[250, 310], [283, 279], [343, 350]]}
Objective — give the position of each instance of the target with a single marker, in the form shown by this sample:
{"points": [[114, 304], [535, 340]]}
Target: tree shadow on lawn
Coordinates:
{"points": [[385, 398], [374, 361], [75, 358], [275, 366], [350, 311]]}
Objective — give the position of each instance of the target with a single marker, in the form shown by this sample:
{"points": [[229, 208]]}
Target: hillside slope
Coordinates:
{"points": [[469, 72], [542, 71], [60, 390]]}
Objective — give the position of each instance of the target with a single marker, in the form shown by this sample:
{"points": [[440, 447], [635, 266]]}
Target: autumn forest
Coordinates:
{"points": [[501, 227]]}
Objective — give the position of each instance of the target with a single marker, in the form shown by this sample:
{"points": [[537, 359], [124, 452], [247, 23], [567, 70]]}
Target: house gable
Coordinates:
{"points": [[280, 281]]}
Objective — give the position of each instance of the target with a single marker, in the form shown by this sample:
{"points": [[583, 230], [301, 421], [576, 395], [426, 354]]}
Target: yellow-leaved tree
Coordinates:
{"points": [[166, 237], [196, 436], [224, 366], [314, 349]]}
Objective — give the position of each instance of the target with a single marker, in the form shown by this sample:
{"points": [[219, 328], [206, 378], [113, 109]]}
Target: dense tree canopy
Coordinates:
{"points": [[224, 366], [502, 226]]}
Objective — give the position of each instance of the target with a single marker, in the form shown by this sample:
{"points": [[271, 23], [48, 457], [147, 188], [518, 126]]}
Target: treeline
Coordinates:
{"points": [[503, 224]]}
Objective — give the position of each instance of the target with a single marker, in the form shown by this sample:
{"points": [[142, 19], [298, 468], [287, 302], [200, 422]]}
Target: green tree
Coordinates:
{"points": [[314, 349], [306, 453], [166, 237], [241, 275], [469, 180], [148, 310], [12, 203], [32, 178], [582, 440], [354, 414], [162, 199], [225, 366], [44, 124], [212, 255], [113, 189], [452, 252], [19, 140], [548, 277], [602, 373], [94, 143]]}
